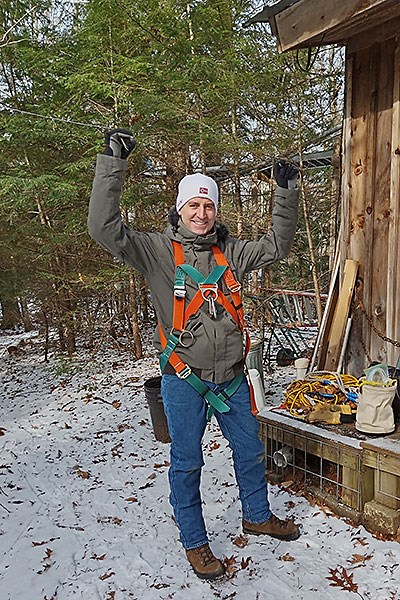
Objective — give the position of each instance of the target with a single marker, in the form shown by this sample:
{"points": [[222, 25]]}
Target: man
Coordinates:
{"points": [[194, 270]]}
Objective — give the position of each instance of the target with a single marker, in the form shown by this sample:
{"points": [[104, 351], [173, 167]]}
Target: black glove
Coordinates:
{"points": [[119, 143], [284, 172]]}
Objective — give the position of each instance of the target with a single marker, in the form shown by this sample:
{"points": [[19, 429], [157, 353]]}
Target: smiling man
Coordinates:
{"points": [[195, 270], [199, 211]]}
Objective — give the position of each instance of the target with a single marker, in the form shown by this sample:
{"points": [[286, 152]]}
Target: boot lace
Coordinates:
{"points": [[274, 520], [205, 554]]}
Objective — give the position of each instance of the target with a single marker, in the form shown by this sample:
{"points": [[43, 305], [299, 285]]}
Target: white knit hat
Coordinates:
{"points": [[196, 186]]}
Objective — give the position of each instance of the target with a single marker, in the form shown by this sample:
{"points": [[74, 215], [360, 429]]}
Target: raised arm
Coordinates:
{"points": [[105, 225]]}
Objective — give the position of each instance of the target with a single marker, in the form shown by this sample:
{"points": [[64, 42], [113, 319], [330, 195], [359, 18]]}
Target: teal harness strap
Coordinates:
{"points": [[213, 277], [227, 392], [172, 342], [216, 401]]}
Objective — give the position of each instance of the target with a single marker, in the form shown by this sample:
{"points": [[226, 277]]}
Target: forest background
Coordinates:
{"points": [[200, 93]]}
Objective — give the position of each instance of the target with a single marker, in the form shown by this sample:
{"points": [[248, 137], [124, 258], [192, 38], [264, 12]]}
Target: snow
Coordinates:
{"points": [[84, 511], [278, 417]]}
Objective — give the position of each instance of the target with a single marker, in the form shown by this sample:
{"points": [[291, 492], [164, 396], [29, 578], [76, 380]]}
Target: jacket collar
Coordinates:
{"points": [[187, 237]]}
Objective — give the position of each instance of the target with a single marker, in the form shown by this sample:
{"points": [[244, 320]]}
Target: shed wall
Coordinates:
{"points": [[371, 199]]}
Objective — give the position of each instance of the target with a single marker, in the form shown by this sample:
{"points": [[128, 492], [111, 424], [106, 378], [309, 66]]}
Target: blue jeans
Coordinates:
{"points": [[186, 414]]}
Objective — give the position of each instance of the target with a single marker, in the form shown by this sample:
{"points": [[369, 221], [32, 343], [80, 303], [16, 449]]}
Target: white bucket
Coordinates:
{"points": [[254, 359], [256, 382], [301, 366]]}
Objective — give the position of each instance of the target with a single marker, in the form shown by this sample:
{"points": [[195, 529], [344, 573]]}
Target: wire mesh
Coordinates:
{"points": [[312, 470]]}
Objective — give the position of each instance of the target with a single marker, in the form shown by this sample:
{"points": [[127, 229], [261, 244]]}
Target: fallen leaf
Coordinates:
{"points": [[161, 465], [123, 426], [286, 484], [106, 575], [83, 474], [287, 557], [147, 485], [356, 558], [214, 446], [112, 520], [46, 542], [230, 566], [361, 541], [240, 541], [341, 578], [244, 563]]}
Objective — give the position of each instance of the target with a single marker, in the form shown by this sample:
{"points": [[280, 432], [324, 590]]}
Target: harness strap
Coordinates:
{"points": [[233, 286], [183, 371], [208, 287]]}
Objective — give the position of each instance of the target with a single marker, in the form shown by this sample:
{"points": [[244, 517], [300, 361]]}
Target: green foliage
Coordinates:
{"points": [[196, 88]]}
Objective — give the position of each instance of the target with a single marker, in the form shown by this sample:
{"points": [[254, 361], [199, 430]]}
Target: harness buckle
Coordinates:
{"points": [[236, 287], [184, 374], [179, 291]]}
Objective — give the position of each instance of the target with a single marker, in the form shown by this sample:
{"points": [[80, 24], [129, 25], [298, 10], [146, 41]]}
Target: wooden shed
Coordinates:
{"points": [[370, 193]]}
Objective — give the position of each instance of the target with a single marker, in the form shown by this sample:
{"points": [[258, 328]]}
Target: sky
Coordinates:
{"points": [[84, 510]]}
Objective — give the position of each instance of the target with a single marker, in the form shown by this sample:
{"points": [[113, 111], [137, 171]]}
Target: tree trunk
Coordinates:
{"points": [[11, 313], [137, 342], [311, 249], [144, 302], [26, 318], [237, 197]]}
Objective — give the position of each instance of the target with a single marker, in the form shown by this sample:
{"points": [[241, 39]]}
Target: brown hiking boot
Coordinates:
{"points": [[275, 527], [204, 563]]}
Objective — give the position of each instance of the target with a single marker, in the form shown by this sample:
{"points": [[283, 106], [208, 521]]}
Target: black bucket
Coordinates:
{"points": [[152, 392], [394, 373]]}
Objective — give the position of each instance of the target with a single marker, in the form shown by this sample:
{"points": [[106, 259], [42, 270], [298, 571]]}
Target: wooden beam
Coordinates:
{"points": [[376, 33], [307, 19], [381, 164], [341, 315], [321, 343], [393, 284], [358, 190]]}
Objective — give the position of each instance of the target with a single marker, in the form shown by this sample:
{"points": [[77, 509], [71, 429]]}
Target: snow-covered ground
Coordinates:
{"points": [[84, 511]]}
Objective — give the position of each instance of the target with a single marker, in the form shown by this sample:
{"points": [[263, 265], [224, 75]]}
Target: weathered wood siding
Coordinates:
{"points": [[371, 196]]}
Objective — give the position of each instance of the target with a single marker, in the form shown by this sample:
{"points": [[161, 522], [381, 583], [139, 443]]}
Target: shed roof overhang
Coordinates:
{"points": [[306, 23]]}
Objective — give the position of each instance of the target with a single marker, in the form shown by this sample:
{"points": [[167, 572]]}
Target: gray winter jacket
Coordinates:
{"points": [[216, 353]]}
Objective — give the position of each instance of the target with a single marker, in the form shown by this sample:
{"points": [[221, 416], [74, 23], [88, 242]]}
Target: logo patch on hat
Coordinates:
{"points": [[203, 190]]}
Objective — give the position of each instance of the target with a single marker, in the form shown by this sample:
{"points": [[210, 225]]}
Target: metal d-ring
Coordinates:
{"points": [[181, 338], [209, 291]]}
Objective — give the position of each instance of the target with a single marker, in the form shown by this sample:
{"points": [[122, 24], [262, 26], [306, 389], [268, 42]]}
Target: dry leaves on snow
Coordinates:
{"points": [[83, 474], [341, 578], [240, 541], [357, 558], [287, 557], [45, 542], [106, 575], [46, 561]]}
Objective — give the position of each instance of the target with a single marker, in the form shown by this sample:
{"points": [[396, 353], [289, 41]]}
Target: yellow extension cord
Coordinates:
{"points": [[320, 387]]}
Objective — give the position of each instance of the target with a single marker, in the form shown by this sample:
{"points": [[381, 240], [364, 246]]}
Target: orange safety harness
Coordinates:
{"points": [[208, 291]]}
